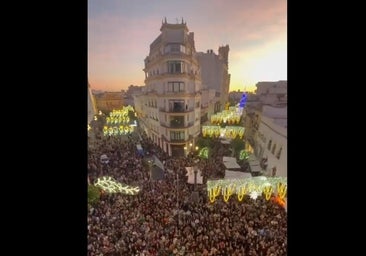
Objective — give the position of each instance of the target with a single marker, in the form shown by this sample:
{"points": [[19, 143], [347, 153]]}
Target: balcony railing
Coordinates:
{"points": [[176, 110], [177, 126], [177, 140], [180, 140]]}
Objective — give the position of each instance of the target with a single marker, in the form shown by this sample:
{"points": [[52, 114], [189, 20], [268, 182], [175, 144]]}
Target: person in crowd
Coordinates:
{"points": [[163, 220]]}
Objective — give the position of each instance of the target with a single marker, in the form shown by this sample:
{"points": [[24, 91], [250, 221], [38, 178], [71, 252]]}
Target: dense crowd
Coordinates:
{"points": [[164, 220]]}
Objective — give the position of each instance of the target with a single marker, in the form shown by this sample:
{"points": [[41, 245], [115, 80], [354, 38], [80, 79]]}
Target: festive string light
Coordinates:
{"points": [[267, 190], [254, 186], [110, 185], [281, 190]]}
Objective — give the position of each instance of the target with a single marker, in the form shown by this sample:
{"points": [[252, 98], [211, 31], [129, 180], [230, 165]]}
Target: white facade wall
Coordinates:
{"points": [[214, 74], [268, 122], [272, 93], [269, 99], [210, 70], [271, 139], [271, 87], [274, 112]]}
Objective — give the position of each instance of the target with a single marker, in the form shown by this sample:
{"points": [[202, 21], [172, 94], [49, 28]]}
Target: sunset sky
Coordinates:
{"points": [[121, 31]]}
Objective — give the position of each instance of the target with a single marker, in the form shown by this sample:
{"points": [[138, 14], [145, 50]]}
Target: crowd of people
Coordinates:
{"points": [[163, 219]]}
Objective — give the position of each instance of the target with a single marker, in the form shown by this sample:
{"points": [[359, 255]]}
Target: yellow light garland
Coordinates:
{"points": [[217, 190], [281, 190], [267, 192], [242, 192], [213, 193], [228, 191]]}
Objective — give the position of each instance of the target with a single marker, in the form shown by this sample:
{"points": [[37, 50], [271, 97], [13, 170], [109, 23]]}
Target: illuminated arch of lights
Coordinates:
{"points": [[118, 122], [274, 188], [231, 117], [228, 116], [110, 185], [229, 132]]}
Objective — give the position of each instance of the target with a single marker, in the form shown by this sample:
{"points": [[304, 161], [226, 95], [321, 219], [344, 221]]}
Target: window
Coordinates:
{"points": [[177, 135], [176, 105], [175, 48], [176, 121], [279, 153], [269, 145], [175, 86], [197, 104], [274, 149], [175, 67]]}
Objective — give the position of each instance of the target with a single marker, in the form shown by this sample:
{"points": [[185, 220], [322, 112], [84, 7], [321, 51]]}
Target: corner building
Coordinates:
{"points": [[170, 105]]}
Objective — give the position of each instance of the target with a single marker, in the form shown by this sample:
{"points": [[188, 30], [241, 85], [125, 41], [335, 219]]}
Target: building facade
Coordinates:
{"points": [[215, 75], [128, 98], [266, 127], [169, 107], [271, 140], [107, 101]]}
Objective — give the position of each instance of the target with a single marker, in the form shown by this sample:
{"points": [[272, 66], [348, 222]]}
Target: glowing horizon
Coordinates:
{"points": [[120, 33]]}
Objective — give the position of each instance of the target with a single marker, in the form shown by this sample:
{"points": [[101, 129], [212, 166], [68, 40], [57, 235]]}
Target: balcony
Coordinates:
{"points": [[176, 110], [174, 125], [176, 140], [177, 122]]}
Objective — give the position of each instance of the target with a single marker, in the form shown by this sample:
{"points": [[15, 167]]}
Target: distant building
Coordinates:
{"points": [[272, 93], [235, 96], [215, 75], [132, 90], [107, 101], [210, 104]]}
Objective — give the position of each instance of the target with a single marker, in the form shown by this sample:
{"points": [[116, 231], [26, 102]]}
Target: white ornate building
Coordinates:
{"points": [[169, 107]]}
